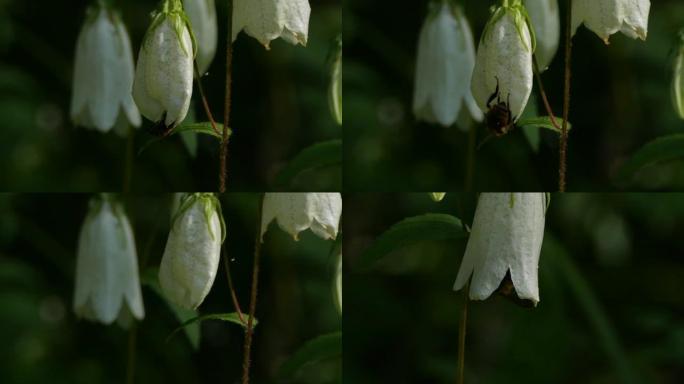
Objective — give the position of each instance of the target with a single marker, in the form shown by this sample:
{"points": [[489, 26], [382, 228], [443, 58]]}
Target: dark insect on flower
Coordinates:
{"points": [[160, 128], [499, 118], [507, 289]]}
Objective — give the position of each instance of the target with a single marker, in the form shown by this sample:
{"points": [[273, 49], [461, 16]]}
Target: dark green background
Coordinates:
{"points": [[620, 101], [43, 342], [625, 248], [279, 107]]}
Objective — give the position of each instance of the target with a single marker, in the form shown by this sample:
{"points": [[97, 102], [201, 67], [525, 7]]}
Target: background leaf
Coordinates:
{"points": [[662, 149], [319, 155], [428, 227], [192, 331], [321, 348]]}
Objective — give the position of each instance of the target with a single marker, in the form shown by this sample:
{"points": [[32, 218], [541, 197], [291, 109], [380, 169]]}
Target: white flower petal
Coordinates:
{"points": [[266, 20], [505, 55], [545, 18], [202, 15], [297, 212], [507, 235], [192, 253]]}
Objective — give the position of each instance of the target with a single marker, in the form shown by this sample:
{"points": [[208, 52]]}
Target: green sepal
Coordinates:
{"points": [[520, 18], [211, 204]]}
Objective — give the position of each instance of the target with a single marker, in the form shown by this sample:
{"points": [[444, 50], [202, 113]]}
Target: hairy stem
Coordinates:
{"points": [[223, 171], [233, 295], [130, 365], [542, 92], [205, 103], [246, 362], [562, 167], [462, 336]]}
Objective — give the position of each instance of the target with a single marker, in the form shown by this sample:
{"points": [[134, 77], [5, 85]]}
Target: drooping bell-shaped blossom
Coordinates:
{"points": [[202, 16], [107, 282], [103, 74], [606, 17], [545, 19], [444, 67], [164, 74], [193, 250], [678, 78], [505, 240], [504, 60], [297, 212], [267, 20]]}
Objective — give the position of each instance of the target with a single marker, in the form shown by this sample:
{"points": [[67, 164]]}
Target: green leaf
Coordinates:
{"points": [[321, 348], [204, 128], [428, 227], [319, 155], [149, 279], [543, 122], [662, 149], [598, 319], [232, 317]]}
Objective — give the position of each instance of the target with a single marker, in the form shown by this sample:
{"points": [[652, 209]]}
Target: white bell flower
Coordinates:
{"points": [[193, 250], [545, 20], [606, 17], [103, 74], [297, 212], [202, 16], [107, 281], [338, 282], [444, 67], [678, 79], [267, 20], [504, 60], [164, 74], [505, 239]]}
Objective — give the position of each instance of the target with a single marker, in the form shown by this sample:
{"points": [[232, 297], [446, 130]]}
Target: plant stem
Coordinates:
{"points": [[233, 295], [470, 164], [462, 336], [205, 103], [130, 156], [130, 366], [226, 117], [545, 99], [562, 167], [246, 362]]}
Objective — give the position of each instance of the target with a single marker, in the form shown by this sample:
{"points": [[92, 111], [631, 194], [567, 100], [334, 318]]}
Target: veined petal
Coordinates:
{"points": [[504, 56], [296, 212], [266, 20]]}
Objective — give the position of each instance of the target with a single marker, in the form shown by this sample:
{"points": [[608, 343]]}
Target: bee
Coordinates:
{"points": [[507, 290], [160, 128], [499, 117]]}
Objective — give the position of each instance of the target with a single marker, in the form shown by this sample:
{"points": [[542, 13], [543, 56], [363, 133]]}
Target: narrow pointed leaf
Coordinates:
{"points": [[232, 317], [428, 227], [321, 348], [662, 149], [543, 122], [319, 155], [203, 128]]}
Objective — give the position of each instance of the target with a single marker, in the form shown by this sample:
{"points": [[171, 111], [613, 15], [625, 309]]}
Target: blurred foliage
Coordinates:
{"points": [[620, 101], [279, 107], [610, 280], [42, 341]]}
